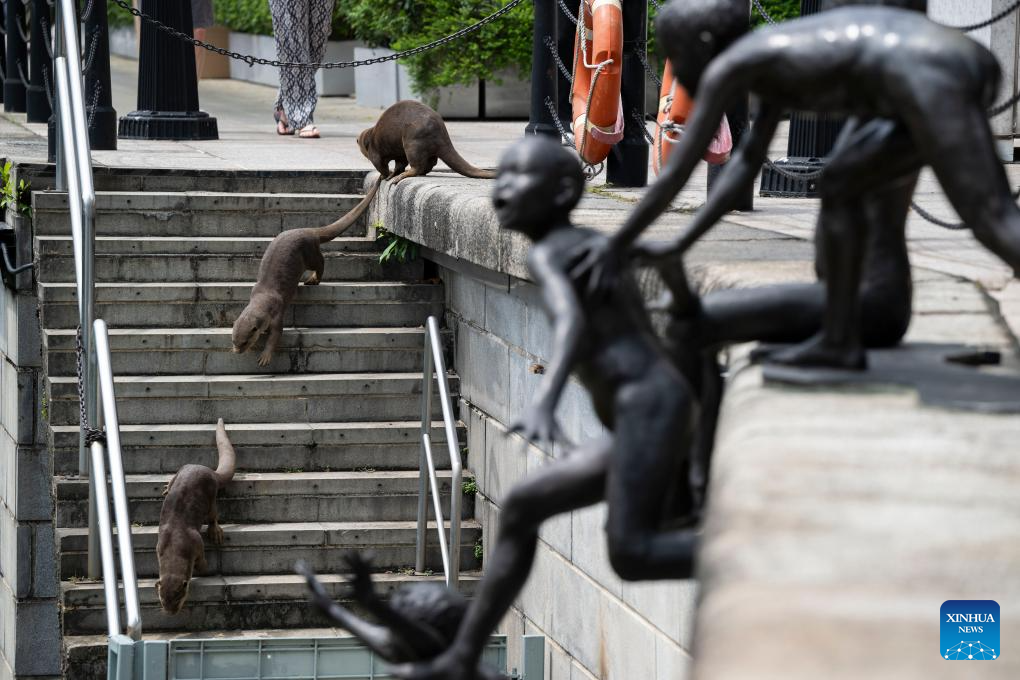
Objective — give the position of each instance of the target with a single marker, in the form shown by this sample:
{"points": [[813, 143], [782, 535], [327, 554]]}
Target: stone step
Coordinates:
{"points": [[205, 305], [185, 179], [254, 497], [197, 213], [235, 603], [265, 447], [300, 397], [252, 549], [207, 351], [155, 259]]}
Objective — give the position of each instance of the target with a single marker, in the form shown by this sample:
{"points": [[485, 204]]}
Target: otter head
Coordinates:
{"points": [[365, 142], [173, 591], [249, 327]]}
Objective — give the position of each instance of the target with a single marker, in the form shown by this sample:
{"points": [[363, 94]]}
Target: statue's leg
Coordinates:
{"points": [[958, 144], [570, 483], [653, 433], [878, 153]]}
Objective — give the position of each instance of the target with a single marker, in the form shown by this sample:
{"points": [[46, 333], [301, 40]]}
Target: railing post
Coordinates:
{"points": [[102, 117], [37, 103], [17, 57], [167, 82], [544, 74], [426, 432], [627, 165]]}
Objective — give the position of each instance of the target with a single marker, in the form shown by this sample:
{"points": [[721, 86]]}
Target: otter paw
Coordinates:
{"points": [[312, 280], [265, 358], [215, 533]]}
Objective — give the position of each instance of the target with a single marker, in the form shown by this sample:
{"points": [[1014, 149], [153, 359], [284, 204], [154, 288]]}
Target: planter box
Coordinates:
{"points": [[331, 82], [124, 43], [382, 85]]}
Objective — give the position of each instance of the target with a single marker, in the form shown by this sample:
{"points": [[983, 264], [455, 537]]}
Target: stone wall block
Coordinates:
{"points": [[38, 650], [34, 500]]}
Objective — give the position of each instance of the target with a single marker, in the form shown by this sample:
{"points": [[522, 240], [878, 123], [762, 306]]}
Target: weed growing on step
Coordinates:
{"points": [[293, 470], [396, 247], [45, 408], [11, 196], [478, 549], [470, 487]]}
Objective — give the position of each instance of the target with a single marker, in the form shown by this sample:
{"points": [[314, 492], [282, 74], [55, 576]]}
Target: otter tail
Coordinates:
{"points": [[458, 164], [227, 457], [331, 231]]}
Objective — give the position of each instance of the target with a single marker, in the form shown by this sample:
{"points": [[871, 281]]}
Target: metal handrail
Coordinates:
{"points": [[74, 174], [434, 363], [120, 500]]}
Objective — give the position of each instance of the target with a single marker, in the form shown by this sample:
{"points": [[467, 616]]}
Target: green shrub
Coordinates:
{"points": [[403, 24], [117, 16]]}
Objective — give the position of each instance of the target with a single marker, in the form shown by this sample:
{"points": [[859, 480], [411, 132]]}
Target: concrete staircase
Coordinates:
{"points": [[326, 435]]}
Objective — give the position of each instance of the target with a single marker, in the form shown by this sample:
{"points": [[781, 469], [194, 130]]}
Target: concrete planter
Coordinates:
{"points": [[123, 42], [331, 82], [381, 85]]}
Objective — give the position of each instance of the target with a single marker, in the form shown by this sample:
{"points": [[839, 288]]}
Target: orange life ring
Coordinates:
{"points": [[598, 125], [675, 107]]}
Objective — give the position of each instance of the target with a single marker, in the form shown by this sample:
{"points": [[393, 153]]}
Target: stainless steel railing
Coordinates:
{"points": [[74, 174], [434, 363]]}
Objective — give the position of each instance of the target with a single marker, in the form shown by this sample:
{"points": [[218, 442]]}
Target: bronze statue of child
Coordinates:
{"points": [[917, 94], [641, 397]]}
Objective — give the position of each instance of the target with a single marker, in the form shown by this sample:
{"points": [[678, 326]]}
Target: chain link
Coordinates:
{"points": [[992, 20], [640, 120], [253, 60], [566, 10], [21, 73], [95, 104], [87, 12], [800, 176], [764, 14], [954, 226], [640, 51], [47, 39], [87, 60], [564, 136], [47, 85], [91, 434], [551, 44]]}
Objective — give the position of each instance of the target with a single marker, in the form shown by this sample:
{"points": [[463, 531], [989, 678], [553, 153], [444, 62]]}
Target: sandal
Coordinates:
{"points": [[282, 126], [308, 132]]}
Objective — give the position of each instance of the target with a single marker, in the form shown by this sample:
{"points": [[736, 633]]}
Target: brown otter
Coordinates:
{"points": [[190, 502], [285, 261], [413, 136]]}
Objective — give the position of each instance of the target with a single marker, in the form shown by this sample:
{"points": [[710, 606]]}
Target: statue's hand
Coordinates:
{"points": [[599, 261], [320, 598], [538, 425], [360, 580]]}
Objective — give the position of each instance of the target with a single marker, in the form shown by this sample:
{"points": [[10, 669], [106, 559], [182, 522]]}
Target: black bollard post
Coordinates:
{"points": [[739, 118], [17, 57], [627, 165], [812, 136], [37, 103], [543, 71], [3, 46], [96, 69], [167, 83]]}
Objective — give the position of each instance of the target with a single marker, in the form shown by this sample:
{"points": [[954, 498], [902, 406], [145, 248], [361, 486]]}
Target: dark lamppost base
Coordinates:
{"points": [[187, 125]]}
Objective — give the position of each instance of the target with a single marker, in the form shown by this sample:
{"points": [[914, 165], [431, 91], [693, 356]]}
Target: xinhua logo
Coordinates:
{"points": [[970, 630]]}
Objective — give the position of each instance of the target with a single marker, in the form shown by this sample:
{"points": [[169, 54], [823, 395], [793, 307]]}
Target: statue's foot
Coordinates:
{"points": [[816, 353]]}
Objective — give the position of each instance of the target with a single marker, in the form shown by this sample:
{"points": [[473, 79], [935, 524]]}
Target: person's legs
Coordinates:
{"points": [[319, 24], [289, 30], [652, 435]]}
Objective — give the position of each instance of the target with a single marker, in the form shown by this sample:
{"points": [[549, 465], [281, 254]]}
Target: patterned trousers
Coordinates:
{"points": [[301, 28]]}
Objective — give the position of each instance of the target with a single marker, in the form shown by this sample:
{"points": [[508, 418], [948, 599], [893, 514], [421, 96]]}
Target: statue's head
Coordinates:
{"points": [[693, 32], [538, 183]]}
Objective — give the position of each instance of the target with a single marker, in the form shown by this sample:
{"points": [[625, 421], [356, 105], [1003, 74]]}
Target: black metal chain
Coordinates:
{"points": [[764, 14], [551, 44], [566, 10], [88, 58], [814, 174], [640, 51], [253, 60], [564, 137], [955, 226], [91, 434], [46, 36], [640, 120], [47, 85], [21, 74], [992, 20], [95, 104]]}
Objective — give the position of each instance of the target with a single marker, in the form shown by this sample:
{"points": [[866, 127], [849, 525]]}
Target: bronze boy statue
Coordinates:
{"points": [[639, 395], [917, 93]]}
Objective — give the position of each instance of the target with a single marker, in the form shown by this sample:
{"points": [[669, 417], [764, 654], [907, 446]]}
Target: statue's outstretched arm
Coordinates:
{"points": [[737, 174], [539, 423]]}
